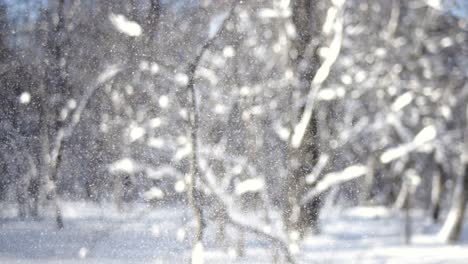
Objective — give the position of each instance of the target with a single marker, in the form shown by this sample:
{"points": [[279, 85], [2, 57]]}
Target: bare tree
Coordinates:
{"points": [[451, 230], [304, 148], [194, 175]]}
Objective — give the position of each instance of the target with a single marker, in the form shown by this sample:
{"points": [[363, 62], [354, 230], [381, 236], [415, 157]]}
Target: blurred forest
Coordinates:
{"points": [[231, 106]]}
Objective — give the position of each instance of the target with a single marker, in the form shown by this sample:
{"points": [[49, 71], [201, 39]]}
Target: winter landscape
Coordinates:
{"points": [[233, 131]]}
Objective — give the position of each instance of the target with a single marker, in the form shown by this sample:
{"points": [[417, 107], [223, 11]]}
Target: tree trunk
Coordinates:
{"points": [[407, 208], [451, 230], [437, 188], [299, 218], [46, 168], [194, 175], [302, 217], [366, 193]]}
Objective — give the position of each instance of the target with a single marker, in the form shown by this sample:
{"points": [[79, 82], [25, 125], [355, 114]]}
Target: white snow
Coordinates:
{"points": [[156, 142], [328, 94], [125, 26], [125, 165], [197, 254], [108, 73], [426, 135], [25, 98], [179, 186], [155, 122], [208, 74], [136, 133], [229, 52], [394, 153], [183, 152], [282, 132], [402, 101], [268, 13], [154, 68], [250, 185], [245, 90], [181, 79], [321, 163], [83, 253], [334, 178], [153, 193], [183, 113], [220, 109], [72, 104], [101, 234], [163, 101], [436, 4]]}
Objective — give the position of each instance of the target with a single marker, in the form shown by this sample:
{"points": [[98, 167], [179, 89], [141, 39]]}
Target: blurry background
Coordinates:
{"points": [[301, 107]]}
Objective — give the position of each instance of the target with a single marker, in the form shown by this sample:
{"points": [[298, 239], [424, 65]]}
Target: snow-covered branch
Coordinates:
{"points": [[426, 135], [335, 18], [335, 178], [125, 26], [236, 219], [67, 130], [318, 168]]}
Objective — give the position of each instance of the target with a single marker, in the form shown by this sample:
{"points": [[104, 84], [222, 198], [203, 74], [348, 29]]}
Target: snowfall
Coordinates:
{"points": [[99, 233]]}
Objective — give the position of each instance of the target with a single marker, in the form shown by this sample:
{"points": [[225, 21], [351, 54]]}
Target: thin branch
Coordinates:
{"points": [[333, 179], [194, 122], [278, 242], [236, 219], [67, 130]]}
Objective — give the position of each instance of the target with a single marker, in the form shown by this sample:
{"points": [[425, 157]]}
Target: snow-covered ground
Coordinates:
{"points": [[100, 234]]}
